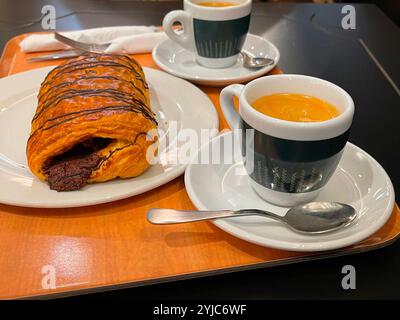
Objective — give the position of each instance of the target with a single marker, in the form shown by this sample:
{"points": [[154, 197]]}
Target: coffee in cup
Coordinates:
{"points": [[295, 107], [217, 4]]}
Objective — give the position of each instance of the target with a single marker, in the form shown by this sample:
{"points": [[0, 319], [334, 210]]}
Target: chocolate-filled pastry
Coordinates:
{"points": [[93, 122]]}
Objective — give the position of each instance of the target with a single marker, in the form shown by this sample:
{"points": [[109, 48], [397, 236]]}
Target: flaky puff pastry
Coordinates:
{"points": [[94, 96]]}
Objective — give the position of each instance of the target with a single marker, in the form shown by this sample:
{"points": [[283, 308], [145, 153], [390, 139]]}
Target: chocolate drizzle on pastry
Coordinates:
{"points": [[52, 122], [80, 80], [119, 96], [83, 90], [92, 60], [53, 96]]}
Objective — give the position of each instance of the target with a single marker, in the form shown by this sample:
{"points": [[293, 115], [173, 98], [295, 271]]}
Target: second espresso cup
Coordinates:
{"points": [[288, 162], [215, 34]]}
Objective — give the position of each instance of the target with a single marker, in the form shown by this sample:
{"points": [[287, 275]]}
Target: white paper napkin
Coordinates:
{"points": [[125, 39]]}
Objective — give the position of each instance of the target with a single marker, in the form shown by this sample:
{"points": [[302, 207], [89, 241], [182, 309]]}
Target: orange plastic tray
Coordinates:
{"points": [[112, 245]]}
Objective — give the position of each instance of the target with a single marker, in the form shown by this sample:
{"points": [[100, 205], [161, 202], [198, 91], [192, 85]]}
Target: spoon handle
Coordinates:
{"points": [[167, 216], [170, 216]]}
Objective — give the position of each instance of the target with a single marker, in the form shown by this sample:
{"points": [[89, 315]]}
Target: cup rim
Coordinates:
{"points": [[305, 130]]}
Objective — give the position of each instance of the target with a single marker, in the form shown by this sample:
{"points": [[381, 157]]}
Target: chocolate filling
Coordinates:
{"points": [[71, 170]]}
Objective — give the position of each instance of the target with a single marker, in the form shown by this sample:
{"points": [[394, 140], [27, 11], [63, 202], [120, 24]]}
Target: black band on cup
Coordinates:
{"points": [[290, 165], [220, 39]]}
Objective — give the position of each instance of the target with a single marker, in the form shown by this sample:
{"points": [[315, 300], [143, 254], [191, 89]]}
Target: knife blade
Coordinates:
{"points": [[58, 55]]}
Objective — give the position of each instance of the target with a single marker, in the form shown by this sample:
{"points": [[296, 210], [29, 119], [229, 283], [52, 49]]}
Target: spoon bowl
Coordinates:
{"points": [[255, 62], [319, 217]]}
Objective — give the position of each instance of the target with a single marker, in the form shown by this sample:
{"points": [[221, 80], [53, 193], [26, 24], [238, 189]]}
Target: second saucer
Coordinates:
{"points": [[180, 62]]}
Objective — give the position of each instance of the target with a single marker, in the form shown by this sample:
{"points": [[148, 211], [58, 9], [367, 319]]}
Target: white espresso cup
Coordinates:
{"points": [[288, 162], [215, 34]]}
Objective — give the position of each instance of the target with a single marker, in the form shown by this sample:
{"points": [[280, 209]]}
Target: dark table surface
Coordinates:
{"points": [[311, 40]]}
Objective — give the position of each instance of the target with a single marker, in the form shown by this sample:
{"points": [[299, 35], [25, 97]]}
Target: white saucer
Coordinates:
{"points": [[180, 105], [359, 181], [171, 57]]}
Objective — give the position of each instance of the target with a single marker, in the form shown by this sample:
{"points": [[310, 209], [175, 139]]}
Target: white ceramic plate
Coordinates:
{"points": [[180, 62], [359, 181], [172, 99]]}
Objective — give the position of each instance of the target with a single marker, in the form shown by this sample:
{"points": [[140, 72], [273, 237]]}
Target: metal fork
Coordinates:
{"points": [[88, 47]]}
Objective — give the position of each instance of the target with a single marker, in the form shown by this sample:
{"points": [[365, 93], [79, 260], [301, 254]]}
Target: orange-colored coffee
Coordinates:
{"points": [[295, 107], [216, 4]]}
